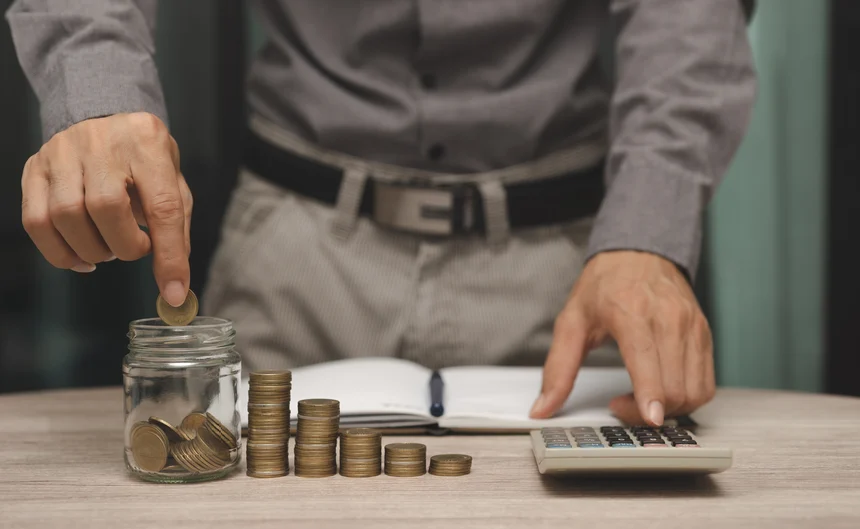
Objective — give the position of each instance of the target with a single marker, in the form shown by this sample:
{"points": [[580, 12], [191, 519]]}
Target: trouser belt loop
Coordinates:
{"points": [[348, 201], [498, 227]]}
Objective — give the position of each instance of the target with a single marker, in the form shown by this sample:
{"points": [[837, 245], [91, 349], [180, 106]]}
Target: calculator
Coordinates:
{"points": [[625, 450]]}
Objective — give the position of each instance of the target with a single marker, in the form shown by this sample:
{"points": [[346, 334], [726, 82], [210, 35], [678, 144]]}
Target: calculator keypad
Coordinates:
{"points": [[555, 438], [618, 437]]}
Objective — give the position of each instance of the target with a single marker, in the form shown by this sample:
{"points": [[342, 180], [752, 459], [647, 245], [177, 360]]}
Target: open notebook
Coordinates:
{"points": [[394, 393]]}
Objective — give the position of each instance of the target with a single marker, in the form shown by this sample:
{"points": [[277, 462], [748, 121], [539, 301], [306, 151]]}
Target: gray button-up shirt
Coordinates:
{"points": [[455, 86]]}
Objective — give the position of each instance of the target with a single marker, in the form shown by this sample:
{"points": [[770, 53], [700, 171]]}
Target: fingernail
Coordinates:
{"points": [[538, 405], [655, 412], [174, 293], [84, 268], [111, 258]]}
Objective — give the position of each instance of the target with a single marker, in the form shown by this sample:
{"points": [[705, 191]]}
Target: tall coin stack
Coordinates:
{"points": [[360, 453], [316, 438], [405, 459], [269, 424]]}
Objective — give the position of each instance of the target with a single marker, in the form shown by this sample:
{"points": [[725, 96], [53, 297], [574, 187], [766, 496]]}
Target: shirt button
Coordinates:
{"points": [[428, 81], [436, 152]]}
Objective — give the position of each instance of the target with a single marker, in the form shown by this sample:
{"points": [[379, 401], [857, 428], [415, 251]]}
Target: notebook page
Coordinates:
{"points": [[489, 396], [364, 386]]}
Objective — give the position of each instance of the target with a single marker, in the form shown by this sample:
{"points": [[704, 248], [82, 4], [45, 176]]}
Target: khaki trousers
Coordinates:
{"points": [[305, 282]]}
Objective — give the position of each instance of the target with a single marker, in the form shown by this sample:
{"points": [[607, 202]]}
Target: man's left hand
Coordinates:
{"points": [[646, 304]]}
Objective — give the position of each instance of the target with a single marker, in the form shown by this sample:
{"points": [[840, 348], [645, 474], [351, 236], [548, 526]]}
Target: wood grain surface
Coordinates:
{"points": [[797, 464]]}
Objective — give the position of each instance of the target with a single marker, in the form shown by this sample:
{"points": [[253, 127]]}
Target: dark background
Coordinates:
{"points": [[65, 329], [60, 329]]}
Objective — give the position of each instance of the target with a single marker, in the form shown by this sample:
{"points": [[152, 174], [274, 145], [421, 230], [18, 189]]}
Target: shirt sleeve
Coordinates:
{"points": [[684, 91], [87, 58]]}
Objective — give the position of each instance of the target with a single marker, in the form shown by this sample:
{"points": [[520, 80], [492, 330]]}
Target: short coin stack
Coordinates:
{"points": [[360, 453], [405, 459], [450, 465], [316, 438], [268, 424], [201, 444]]}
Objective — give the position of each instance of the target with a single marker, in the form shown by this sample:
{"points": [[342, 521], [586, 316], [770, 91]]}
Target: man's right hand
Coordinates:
{"points": [[90, 188]]}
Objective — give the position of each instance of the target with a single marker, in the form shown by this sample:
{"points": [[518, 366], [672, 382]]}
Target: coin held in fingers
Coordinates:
{"points": [[177, 316]]}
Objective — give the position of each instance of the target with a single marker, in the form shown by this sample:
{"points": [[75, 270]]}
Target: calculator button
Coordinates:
{"points": [[687, 446], [582, 429], [679, 437], [611, 428], [611, 437], [589, 445], [558, 445], [642, 429], [622, 445], [651, 442], [669, 429], [655, 445], [644, 440], [684, 442]]}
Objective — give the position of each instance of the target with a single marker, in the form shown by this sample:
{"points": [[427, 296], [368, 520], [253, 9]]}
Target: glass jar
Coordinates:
{"points": [[181, 388]]}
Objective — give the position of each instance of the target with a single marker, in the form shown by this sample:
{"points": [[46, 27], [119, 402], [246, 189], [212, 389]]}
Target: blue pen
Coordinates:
{"points": [[436, 387]]}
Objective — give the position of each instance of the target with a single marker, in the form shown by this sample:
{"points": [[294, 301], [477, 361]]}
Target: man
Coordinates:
{"points": [[423, 178]]}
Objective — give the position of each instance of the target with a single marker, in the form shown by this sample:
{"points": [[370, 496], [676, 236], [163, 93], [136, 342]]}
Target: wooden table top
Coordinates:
{"points": [[796, 464]]}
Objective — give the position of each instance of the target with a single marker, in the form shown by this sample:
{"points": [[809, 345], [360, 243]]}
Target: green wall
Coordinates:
{"points": [[766, 238]]}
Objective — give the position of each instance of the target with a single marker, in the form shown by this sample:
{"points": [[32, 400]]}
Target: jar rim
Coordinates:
{"points": [[199, 323], [205, 333]]}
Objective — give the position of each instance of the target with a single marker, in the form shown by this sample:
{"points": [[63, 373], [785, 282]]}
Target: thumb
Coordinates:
{"points": [[569, 341]]}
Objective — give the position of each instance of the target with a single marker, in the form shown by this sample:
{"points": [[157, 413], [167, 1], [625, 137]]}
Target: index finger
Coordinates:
{"points": [[639, 350], [156, 179]]}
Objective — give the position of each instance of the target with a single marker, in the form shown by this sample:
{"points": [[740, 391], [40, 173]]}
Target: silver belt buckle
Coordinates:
{"points": [[418, 208]]}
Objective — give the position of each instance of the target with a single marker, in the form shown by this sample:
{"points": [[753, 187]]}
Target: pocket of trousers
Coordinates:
{"points": [[254, 209]]}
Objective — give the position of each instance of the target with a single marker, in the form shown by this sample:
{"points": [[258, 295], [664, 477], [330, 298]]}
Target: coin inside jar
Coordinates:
{"points": [[177, 316], [173, 434], [150, 447]]}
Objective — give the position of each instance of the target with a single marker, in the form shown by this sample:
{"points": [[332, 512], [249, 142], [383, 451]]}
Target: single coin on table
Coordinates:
{"points": [[177, 316]]}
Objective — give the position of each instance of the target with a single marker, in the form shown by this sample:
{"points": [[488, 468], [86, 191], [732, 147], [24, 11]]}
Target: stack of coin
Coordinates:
{"points": [[150, 447], [316, 438], [209, 450], [360, 453], [190, 424], [269, 423], [201, 444], [450, 465], [405, 459]]}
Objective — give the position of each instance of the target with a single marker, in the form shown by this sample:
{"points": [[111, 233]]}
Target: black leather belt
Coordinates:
{"points": [[435, 209]]}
